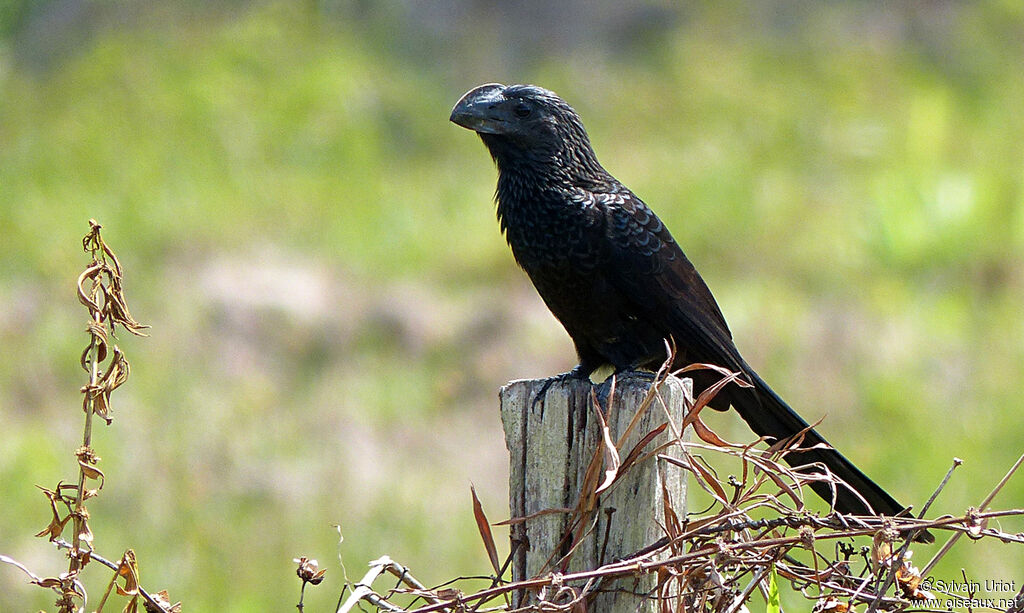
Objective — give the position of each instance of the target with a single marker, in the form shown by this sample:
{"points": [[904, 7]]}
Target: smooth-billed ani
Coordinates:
{"points": [[612, 274]]}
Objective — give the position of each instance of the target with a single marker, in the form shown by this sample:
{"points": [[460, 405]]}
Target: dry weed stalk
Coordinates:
{"points": [[756, 531], [100, 290]]}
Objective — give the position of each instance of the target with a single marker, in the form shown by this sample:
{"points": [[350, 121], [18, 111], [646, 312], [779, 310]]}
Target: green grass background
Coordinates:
{"points": [[333, 307]]}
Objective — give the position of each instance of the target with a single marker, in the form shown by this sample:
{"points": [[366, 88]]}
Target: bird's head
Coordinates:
{"points": [[526, 123]]}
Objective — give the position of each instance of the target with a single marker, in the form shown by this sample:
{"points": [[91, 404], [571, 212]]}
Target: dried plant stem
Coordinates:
{"points": [[79, 519], [106, 593], [114, 566], [100, 291], [949, 473], [897, 560], [363, 590], [739, 603], [984, 504], [634, 566], [9, 560]]}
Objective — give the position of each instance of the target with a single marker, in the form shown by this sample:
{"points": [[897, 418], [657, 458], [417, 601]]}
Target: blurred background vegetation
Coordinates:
{"points": [[333, 308]]}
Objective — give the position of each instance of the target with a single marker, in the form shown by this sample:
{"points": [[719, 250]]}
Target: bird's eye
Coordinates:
{"points": [[522, 110]]}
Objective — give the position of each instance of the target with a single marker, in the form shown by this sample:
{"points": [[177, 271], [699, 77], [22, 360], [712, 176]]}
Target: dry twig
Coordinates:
{"points": [[757, 525]]}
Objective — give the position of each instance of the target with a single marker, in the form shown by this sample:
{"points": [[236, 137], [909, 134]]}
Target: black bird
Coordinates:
{"points": [[612, 274]]}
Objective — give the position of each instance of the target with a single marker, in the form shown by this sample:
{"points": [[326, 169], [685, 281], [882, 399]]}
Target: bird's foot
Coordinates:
{"points": [[578, 372], [621, 374]]}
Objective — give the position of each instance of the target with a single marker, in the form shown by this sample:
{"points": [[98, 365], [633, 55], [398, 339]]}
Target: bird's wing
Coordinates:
{"points": [[666, 289], [651, 269]]}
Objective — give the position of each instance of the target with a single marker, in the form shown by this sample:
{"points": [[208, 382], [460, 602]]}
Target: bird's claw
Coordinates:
{"points": [[578, 372]]}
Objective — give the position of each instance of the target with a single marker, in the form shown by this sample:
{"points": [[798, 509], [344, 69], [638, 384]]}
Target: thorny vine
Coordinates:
{"points": [[713, 561]]}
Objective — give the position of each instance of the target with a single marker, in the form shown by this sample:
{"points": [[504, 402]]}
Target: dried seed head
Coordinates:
{"points": [[309, 571]]}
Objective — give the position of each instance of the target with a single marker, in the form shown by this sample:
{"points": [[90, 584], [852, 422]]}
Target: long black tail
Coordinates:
{"points": [[769, 415]]}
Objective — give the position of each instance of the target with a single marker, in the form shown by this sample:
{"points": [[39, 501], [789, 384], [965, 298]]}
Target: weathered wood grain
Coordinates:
{"points": [[552, 442]]}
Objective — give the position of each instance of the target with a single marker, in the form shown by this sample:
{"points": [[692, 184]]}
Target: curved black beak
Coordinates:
{"points": [[479, 109]]}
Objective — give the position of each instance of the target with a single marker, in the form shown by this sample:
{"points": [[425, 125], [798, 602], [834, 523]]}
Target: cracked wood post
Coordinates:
{"points": [[550, 445]]}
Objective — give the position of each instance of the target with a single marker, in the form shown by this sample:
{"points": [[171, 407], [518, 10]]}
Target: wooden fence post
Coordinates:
{"points": [[551, 443]]}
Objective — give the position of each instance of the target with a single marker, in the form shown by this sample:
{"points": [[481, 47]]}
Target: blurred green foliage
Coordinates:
{"points": [[333, 307]]}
